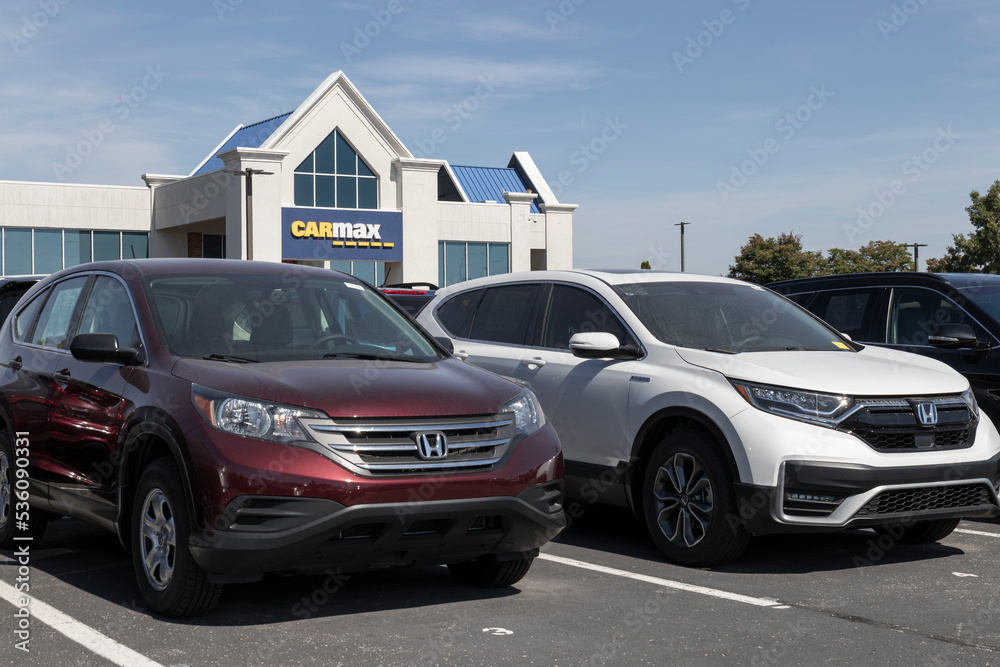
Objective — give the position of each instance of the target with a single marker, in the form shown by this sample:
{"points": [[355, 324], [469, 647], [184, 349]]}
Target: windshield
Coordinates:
{"points": [[986, 297], [248, 318], [726, 317]]}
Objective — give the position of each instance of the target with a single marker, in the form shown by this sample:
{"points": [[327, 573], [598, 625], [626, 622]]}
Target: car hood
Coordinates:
{"points": [[356, 388], [872, 371]]}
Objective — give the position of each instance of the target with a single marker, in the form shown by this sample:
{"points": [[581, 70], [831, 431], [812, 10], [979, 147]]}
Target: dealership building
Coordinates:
{"points": [[328, 184]]}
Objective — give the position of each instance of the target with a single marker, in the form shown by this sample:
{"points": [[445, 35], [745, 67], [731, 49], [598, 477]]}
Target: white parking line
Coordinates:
{"points": [[667, 583], [976, 532], [82, 634]]}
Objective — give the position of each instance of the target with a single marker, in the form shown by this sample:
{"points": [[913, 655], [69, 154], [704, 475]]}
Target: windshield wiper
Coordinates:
{"points": [[369, 356], [230, 357]]}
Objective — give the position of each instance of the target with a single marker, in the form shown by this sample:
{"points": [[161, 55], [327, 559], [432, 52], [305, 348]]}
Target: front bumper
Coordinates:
{"points": [[827, 496], [270, 534]]}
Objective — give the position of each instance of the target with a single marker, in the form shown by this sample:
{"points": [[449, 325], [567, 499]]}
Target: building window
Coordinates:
{"points": [[458, 261], [27, 250], [372, 273], [335, 176]]}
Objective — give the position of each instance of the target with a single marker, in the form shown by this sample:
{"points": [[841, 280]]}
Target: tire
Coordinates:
{"points": [[170, 581], [488, 572], [36, 519], [920, 532], [689, 503]]}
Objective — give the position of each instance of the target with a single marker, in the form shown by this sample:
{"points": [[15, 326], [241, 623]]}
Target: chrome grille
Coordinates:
{"points": [[389, 446], [891, 425]]}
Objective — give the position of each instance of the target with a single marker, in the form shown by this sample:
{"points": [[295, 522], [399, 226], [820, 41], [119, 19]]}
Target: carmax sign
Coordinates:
{"points": [[340, 234]]}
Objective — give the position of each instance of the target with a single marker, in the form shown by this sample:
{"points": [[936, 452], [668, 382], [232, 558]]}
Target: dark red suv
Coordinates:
{"points": [[229, 418]]}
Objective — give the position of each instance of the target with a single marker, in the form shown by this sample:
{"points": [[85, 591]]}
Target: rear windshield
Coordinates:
{"points": [[726, 317], [249, 318]]}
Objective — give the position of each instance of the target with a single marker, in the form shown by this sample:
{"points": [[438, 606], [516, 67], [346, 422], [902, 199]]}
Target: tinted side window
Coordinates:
{"points": [[504, 314], [848, 311], [913, 314], [109, 310], [25, 320], [573, 310], [455, 314], [52, 329]]}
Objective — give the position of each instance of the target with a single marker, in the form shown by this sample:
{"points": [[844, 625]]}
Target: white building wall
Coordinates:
{"points": [[69, 206]]}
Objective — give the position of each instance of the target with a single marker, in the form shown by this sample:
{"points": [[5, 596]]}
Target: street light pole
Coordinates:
{"points": [[248, 225], [916, 253], [682, 225]]}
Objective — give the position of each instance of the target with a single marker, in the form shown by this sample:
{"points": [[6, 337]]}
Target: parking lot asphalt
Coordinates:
{"points": [[599, 595]]}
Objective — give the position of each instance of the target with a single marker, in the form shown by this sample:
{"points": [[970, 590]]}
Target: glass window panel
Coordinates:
{"points": [[441, 263], [573, 310], [367, 193], [326, 193], [52, 329], [478, 266], [109, 310], [363, 169], [380, 272], [135, 245], [454, 263], [77, 247], [17, 251], [365, 271], [325, 156], [347, 159], [340, 265], [304, 190], [25, 320], [499, 258], [306, 166], [347, 196], [212, 245], [503, 315], [48, 250], [107, 246]]}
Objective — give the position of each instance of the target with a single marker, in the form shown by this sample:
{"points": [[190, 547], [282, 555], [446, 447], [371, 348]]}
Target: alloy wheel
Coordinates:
{"points": [[684, 500], [159, 539]]}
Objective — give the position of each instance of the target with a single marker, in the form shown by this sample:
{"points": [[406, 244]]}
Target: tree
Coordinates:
{"points": [[980, 250], [876, 256], [763, 260], [645, 265]]}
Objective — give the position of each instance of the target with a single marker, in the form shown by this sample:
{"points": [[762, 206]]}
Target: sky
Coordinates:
{"points": [[843, 122]]}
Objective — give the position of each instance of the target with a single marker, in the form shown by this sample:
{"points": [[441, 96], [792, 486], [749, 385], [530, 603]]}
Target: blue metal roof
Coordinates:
{"points": [[489, 183], [248, 136]]}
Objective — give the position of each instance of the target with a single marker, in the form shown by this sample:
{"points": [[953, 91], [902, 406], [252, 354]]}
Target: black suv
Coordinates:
{"points": [[952, 317]]}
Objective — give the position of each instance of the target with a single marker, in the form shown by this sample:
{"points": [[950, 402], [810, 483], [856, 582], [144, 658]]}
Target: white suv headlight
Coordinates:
{"points": [[250, 417], [808, 406], [527, 413]]}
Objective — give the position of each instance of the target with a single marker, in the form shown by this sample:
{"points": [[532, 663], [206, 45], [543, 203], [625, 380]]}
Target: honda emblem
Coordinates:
{"points": [[927, 413], [432, 445]]}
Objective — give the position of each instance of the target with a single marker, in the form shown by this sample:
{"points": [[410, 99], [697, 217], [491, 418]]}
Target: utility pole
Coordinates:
{"points": [[916, 253], [248, 223], [682, 225]]}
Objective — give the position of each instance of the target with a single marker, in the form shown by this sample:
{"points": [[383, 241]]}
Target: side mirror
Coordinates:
{"points": [[103, 348], [446, 343], [594, 345], [952, 335]]}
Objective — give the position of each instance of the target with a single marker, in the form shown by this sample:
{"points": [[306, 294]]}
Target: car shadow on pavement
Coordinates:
{"points": [[91, 560], [618, 531]]}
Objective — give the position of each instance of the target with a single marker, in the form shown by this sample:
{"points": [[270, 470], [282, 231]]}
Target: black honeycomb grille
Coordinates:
{"points": [[902, 501]]}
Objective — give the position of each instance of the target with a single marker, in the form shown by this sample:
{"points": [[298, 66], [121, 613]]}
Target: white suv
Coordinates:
{"points": [[717, 409]]}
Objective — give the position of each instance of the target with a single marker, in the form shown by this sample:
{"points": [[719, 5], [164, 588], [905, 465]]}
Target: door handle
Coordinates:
{"points": [[15, 363], [461, 354], [62, 376], [537, 362]]}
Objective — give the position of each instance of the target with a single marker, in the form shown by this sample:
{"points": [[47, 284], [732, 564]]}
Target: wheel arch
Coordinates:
{"points": [[150, 435], [655, 429]]}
